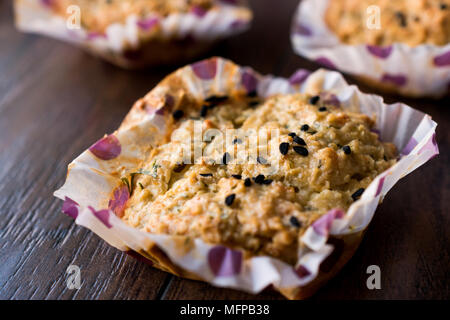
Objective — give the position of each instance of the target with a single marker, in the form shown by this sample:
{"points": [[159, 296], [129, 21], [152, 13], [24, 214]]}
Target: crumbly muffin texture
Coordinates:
{"points": [[97, 15], [413, 22], [322, 158]]}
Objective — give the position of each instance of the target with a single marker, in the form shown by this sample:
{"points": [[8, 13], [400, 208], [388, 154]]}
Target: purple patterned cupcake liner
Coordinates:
{"points": [[420, 71], [130, 44], [95, 197]]}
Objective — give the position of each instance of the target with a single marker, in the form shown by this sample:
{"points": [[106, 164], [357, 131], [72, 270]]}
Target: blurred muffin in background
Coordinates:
{"points": [[400, 46], [136, 33]]}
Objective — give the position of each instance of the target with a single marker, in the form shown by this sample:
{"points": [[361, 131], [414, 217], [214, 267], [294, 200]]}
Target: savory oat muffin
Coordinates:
{"points": [[412, 22], [136, 33], [261, 171]]}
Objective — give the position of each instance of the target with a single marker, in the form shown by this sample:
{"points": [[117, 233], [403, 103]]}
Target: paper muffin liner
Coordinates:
{"points": [[142, 42], [92, 193], [412, 71]]}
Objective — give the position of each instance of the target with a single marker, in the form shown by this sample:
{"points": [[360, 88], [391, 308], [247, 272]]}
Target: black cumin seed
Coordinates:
{"points": [[204, 111], [259, 179], [347, 149], [322, 109], [226, 158], [292, 134], [304, 127], [252, 94], [178, 114], [216, 99], [299, 140], [253, 103], [284, 148], [443, 6], [261, 160], [237, 140], [296, 189], [314, 100], [206, 174], [357, 194], [401, 19], [267, 181], [229, 199], [301, 151], [294, 221], [237, 176], [247, 182]]}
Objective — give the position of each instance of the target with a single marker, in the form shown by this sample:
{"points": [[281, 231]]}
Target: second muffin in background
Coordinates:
{"points": [[136, 33], [396, 46]]}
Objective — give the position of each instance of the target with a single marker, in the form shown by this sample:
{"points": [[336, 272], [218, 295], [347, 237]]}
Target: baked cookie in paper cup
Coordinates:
{"points": [[246, 181], [138, 33], [397, 46]]}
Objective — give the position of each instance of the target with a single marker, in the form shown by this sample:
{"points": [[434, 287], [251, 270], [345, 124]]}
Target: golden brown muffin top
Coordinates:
{"points": [[256, 192]]}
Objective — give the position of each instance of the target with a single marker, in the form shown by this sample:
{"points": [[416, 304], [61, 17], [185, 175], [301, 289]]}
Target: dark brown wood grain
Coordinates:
{"points": [[55, 100]]}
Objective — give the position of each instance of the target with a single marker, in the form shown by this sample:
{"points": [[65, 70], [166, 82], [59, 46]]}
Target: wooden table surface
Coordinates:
{"points": [[56, 100]]}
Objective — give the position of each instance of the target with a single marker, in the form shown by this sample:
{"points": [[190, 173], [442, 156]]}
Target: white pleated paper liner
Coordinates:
{"points": [[90, 181], [413, 71], [199, 26]]}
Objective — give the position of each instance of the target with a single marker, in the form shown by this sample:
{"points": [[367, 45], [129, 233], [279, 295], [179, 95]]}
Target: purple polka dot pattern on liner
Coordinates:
{"points": [[102, 215], [330, 98], [147, 24], [95, 35], [380, 52], [396, 79], [325, 62], [47, 3], [119, 200], [380, 186], [198, 11], [106, 148], [442, 60], [412, 143], [249, 81], [323, 225], [224, 262], [302, 30], [168, 104], [70, 208], [431, 146], [299, 76], [302, 272], [205, 69]]}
